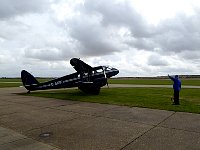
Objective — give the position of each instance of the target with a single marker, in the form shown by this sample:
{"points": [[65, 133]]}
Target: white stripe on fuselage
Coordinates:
{"points": [[59, 82]]}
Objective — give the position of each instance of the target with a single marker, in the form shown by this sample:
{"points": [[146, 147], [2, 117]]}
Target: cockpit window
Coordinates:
{"points": [[108, 68], [99, 70]]}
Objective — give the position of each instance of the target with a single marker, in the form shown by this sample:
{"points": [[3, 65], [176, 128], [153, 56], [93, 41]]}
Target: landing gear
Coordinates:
{"points": [[89, 88]]}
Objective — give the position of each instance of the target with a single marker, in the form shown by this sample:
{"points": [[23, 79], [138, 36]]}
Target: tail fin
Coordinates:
{"points": [[28, 79]]}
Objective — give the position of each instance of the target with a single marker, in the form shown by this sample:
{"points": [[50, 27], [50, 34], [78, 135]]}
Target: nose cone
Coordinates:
{"points": [[112, 72], [115, 71]]}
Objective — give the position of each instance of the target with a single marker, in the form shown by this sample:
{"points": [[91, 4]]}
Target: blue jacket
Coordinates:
{"points": [[177, 83]]}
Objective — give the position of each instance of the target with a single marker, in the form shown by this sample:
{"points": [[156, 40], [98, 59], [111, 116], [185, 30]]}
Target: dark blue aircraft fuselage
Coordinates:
{"points": [[88, 79]]}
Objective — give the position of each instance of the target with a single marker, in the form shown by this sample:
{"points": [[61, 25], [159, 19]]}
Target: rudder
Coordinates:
{"points": [[28, 79]]}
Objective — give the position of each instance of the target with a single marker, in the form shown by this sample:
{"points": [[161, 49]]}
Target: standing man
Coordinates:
{"points": [[176, 87]]}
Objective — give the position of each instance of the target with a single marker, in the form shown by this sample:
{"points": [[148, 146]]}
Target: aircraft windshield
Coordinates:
{"points": [[108, 68], [99, 70]]}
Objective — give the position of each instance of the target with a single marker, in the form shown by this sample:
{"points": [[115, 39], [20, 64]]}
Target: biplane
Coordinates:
{"points": [[88, 79]]}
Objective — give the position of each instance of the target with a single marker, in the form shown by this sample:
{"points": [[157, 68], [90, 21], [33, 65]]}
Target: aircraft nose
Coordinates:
{"points": [[114, 71]]}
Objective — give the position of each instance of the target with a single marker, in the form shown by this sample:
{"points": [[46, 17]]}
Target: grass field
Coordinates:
{"points": [[15, 82], [157, 98], [19, 79], [195, 82]]}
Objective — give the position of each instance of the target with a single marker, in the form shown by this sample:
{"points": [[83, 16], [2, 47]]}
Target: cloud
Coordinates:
{"points": [[93, 39], [118, 13], [180, 33], [177, 34], [44, 54], [157, 60], [100, 32], [10, 8], [97, 28], [190, 55]]}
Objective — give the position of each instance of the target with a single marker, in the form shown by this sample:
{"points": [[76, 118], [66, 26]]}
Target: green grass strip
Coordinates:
{"points": [[194, 82], [156, 98]]}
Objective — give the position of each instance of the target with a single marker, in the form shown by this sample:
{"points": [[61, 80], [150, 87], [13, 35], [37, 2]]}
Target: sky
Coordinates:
{"points": [[139, 37]]}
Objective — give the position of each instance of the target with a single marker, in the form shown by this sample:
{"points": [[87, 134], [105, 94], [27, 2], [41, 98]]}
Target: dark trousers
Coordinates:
{"points": [[176, 97]]}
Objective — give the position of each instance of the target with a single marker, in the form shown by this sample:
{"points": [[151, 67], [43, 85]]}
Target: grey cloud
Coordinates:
{"points": [[11, 8], [181, 33], [44, 54], [31, 29], [96, 26], [41, 38], [93, 31], [119, 13], [147, 44], [174, 35], [157, 60], [50, 53], [2, 59], [90, 29], [92, 39], [179, 70], [11, 29], [190, 54]]}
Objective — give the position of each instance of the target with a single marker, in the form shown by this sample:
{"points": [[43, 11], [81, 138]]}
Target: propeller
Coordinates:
{"points": [[104, 72]]}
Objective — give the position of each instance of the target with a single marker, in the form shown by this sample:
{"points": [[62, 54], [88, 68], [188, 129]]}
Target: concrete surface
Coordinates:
{"points": [[42, 123], [10, 140]]}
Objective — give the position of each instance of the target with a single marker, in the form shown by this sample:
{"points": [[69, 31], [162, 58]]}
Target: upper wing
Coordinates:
{"points": [[80, 66]]}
